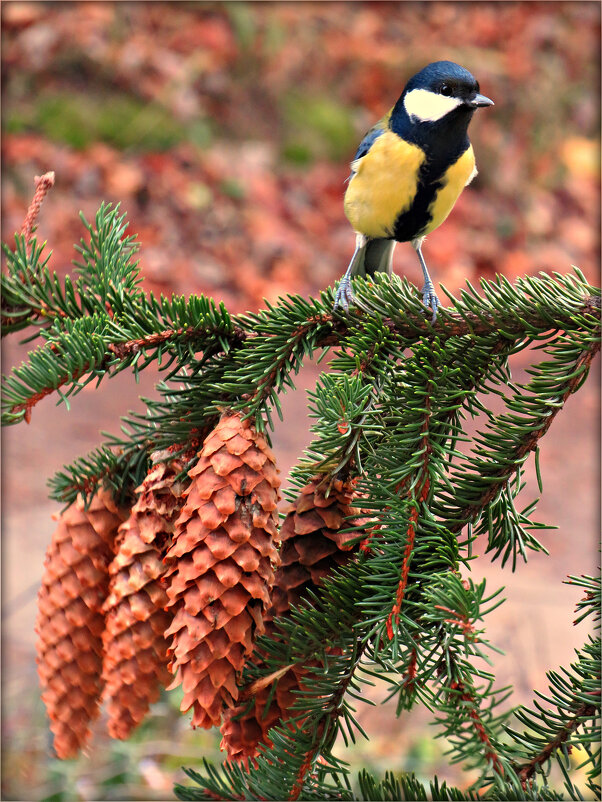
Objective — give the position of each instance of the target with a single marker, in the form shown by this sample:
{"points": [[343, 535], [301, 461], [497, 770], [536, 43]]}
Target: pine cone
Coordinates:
{"points": [[312, 547], [70, 621], [135, 660], [220, 563]]}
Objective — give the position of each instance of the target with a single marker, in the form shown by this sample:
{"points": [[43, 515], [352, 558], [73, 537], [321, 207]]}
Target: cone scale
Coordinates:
{"points": [[70, 620], [135, 648], [313, 546], [220, 566]]}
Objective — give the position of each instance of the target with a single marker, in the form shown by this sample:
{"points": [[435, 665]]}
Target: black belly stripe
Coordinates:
{"points": [[410, 224], [443, 146]]}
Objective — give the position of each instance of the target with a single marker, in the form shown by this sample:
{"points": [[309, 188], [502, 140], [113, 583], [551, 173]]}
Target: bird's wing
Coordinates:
{"points": [[379, 128]]}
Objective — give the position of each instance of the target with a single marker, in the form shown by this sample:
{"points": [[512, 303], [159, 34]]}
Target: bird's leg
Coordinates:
{"points": [[429, 296], [344, 295]]}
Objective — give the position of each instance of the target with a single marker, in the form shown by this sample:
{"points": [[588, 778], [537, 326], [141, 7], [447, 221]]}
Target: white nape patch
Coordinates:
{"points": [[472, 175], [429, 106]]}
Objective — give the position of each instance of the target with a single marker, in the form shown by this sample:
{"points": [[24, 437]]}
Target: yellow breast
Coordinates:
{"points": [[454, 180], [383, 185]]}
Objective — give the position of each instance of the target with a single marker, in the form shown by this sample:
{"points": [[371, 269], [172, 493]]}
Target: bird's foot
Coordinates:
{"points": [[430, 300], [344, 295]]}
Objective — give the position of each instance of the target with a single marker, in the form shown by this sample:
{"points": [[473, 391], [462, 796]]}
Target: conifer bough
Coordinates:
{"points": [[374, 576]]}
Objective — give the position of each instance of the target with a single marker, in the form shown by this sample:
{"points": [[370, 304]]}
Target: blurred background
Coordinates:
{"points": [[225, 130]]}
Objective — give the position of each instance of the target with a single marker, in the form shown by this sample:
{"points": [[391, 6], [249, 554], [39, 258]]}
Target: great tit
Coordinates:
{"points": [[409, 171]]}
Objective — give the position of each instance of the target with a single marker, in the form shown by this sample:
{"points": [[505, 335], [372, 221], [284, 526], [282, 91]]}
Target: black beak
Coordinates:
{"points": [[479, 101]]}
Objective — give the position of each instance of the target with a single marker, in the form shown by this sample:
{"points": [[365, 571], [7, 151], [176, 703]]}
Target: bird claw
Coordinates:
{"points": [[430, 300], [344, 295]]}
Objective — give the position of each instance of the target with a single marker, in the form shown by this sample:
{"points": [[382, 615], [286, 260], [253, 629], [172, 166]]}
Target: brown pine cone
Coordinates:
{"points": [[313, 546], [220, 566], [135, 659], [246, 726], [70, 621]]}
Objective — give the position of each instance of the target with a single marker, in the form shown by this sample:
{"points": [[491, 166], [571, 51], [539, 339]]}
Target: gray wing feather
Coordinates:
{"points": [[367, 142]]}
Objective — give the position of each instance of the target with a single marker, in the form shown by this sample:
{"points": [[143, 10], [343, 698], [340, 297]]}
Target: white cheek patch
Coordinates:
{"points": [[429, 106]]}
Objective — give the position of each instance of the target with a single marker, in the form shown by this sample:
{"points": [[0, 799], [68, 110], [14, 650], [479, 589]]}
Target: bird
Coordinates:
{"points": [[409, 171]]}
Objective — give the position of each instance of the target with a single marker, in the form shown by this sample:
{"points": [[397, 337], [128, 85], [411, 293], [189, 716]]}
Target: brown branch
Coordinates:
{"points": [[410, 677], [28, 405], [414, 326], [405, 566], [332, 710], [43, 184], [124, 349], [42, 313], [474, 716], [121, 351], [457, 620], [424, 487], [302, 773], [268, 383], [527, 770]]}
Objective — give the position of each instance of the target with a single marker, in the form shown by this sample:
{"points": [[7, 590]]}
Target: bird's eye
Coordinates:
{"points": [[446, 90]]}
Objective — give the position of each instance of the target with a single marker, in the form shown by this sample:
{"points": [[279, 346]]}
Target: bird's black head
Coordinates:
{"points": [[441, 89], [435, 108]]}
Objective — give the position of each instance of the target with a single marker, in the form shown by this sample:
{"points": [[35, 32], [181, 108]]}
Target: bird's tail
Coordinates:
{"points": [[375, 256]]}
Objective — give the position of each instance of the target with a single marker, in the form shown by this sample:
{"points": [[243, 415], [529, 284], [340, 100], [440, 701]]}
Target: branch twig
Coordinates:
{"points": [[473, 713], [331, 712], [470, 513], [124, 349], [43, 184], [527, 770]]}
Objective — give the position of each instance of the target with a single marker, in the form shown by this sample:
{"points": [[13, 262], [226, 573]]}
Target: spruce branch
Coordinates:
{"points": [[571, 714], [121, 471], [571, 717], [407, 786], [529, 308], [419, 487], [450, 683], [390, 788], [107, 279], [277, 340], [105, 304], [512, 436], [583, 713], [12, 318], [345, 403], [467, 697], [123, 350], [326, 725]]}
